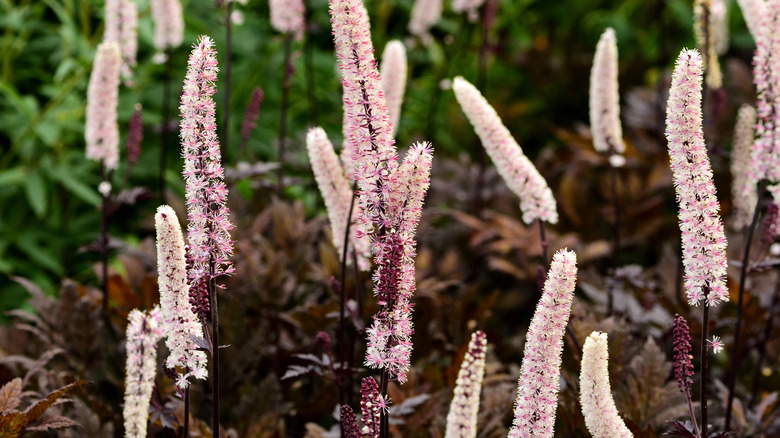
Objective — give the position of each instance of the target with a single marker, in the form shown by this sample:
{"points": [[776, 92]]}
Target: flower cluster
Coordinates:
{"points": [[287, 16], [744, 194], [703, 238], [390, 196], [168, 24], [181, 323], [369, 406], [393, 74], [349, 423], [704, 31], [598, 407], [462, 417], [604, 97], [425, 13], [335, 189], [122, 28], [537, 389], [681, 345], [102, 130], [251, 114], [208, 232], [143, 333], [536, 198], [754, 12], [766, 62]]}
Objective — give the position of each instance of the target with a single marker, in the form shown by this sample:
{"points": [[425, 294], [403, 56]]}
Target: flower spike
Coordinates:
{"points": [[143, 333], [102, 130], [604, 97], [462, 417]]}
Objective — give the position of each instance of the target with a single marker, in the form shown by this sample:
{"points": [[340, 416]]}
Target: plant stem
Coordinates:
{"points": [[343, 306], [740, 299], [288, 68], [187, 412], [228, 56], [764, 340], [166, 114], [690, 409], [104, 239], [705, 322], [212, 290], [384, 424], [352, 337], [616, 233]]}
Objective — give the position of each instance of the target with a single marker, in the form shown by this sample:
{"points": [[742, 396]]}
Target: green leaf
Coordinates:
{"points": [[11, 177], [35, 190], [78, 188]]}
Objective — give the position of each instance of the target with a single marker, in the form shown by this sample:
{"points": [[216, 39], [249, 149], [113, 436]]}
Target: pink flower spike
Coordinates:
{"points": [[393, 74], [370, 407], [536, 198], [598, 407], [754, 12], [425, 14], [462, 417], [765, 153], [537, 389], [604, 97], [122, 28], [102, 130], [168, 25], [743, 189], [180, 321], [703, 238], [287, 16], [208, 230], [337, 194], [143, 333]]}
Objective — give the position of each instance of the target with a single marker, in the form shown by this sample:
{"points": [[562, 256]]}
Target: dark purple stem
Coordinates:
{"points": [[705, 322]]}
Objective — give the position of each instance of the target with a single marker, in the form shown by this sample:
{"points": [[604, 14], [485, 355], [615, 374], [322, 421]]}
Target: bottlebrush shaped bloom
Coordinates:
{"points": [[370, 407], [683, 366], [393, 74], [766, 63], [425, 13], [181, 323], [102, 130], [536, 198], [208, 231], [349, 423], [462, 417], [754, 12], [703, 238], [122, 28], [719, 16], [598, 407], [537, 390], [604, 97], [704, 31], [337, 194], [744, 193], [287, 16], [143, 333], [168, 24]]}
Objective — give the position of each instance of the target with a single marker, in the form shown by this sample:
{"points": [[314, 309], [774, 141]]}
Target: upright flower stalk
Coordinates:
{"points": [[754, 12], [683, 365], [143, 333], [537, 390], [122, 28], [604, 97], [743, 188], [168, 25], [598, 407], [102, 130], [704, 31], [425, 14], [703, 238], [462, 417], [287, 16], [393, 74], [208, 231]]}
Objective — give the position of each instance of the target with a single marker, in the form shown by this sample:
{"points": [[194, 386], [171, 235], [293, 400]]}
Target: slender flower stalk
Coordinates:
{"points": [[337, 194], [208, 231], [754, 12], [537, 389], [703, 238], [536, 198], [181, 323], [766, 62], [122, 28], [143, 333], [598, 407], [393, 74], [743, 189], [287, 16], [604, 97], [168, 25], [462, 417], [683, 363], [102, 130], [425, 14]]}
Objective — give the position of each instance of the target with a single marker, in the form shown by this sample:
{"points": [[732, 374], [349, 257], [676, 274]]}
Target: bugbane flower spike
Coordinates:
{"points": [[743, 188], [425, 14], [537, 389], [122, 28], [462, 417], [604, 97], [168, 25], [754, 12], [393, 74], [598, 407], [349, 423], [369, 406], [208, 230], [181, 323], [704, 31], [337, 194], [719, 15], [536, 198], [143, 333], [102, 130], [287, 16], [703, 238]]}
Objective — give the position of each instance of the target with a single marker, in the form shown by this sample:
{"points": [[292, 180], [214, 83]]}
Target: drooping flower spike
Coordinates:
{"points": [[703, 238], [536, 198], [462, 417], [180, 321], [208, 230], [598, 407], [143, 333], [537, 389], [102, 130], [604, 97]]}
